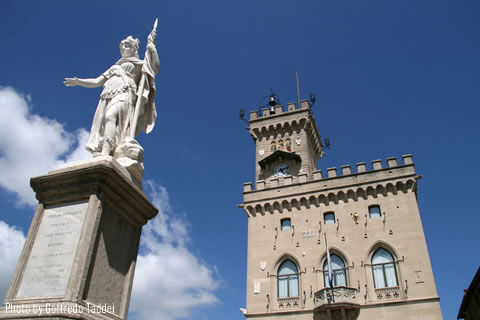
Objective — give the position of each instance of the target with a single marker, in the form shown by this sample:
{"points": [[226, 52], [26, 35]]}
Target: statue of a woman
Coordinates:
{"points": [[127, 102]]}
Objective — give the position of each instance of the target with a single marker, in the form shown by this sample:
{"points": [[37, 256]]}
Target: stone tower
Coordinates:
{"points": [[380, 268]]}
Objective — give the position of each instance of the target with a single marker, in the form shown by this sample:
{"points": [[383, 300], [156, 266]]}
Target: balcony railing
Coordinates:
{"points": [[338, 302], [335, 296]]}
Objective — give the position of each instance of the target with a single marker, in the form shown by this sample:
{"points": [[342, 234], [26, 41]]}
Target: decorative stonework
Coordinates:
{"points": [[337, 295], [392, 293], [333, 189], [288, 303]]}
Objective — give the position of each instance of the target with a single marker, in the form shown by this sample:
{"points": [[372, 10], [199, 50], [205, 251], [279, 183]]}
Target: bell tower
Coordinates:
{"points": [[287, 142]]}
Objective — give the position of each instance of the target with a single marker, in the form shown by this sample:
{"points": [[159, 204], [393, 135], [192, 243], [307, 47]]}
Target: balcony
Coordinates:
{"points": [[337, 303]]}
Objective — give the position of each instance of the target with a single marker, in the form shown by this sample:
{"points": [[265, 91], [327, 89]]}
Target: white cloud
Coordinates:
{"points": [[170, 281], [11, 244], [31, 145]]}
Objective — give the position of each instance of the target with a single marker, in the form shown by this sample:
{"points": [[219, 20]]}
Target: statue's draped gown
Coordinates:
{"points": [[119, 97]]}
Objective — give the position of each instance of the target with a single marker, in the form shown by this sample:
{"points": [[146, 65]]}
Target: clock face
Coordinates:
{"points": [[281, 170]]}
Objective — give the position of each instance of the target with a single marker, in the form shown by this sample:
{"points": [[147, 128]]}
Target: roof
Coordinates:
{"points": [[279, 155]]}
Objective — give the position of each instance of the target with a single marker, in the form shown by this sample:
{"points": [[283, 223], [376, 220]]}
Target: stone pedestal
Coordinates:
{"points": [[79, 257]]}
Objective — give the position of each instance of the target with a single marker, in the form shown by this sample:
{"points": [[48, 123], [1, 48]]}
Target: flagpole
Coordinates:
{"points": [[138, 103], [330, 272]]}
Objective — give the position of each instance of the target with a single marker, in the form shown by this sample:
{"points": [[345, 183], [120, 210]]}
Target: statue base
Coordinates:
{"points": [[79, 257]]}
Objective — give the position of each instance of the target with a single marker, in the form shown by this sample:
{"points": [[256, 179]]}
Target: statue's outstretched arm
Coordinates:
{"points": [[87, 83], [154, 55]]}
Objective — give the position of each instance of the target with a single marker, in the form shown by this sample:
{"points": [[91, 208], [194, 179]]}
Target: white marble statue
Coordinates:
{"points": [[126, 105]]}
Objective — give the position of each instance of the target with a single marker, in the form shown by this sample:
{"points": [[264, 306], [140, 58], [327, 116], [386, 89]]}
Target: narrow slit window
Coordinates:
{"points": [[280, 145], [329, 218], [374, 211], [286, 224], [273, 146], [288, 145]]}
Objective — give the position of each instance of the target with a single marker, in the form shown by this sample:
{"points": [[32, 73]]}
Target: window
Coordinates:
{"points": [[329, 218], [288, 144], [280, 145], [374, 211], [286, 224], [273, 146], [287, 280], [384, 272], [339, 272]]}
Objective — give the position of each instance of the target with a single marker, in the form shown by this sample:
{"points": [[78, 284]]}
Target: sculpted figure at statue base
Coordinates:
{"points": [[126, 105]]}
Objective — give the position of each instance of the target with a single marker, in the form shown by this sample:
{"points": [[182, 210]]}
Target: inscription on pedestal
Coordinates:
{"points": [[50, 263]]}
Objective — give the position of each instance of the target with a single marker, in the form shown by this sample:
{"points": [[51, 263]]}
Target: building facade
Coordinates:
{"points": [[369, 218]]}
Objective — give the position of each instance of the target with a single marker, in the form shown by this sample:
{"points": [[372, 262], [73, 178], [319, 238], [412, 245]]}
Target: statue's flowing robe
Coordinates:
{"points": [[120, 97]]}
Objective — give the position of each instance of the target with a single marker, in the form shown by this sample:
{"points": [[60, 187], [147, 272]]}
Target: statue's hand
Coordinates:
{"points": [[151, 37], [71, 82]]}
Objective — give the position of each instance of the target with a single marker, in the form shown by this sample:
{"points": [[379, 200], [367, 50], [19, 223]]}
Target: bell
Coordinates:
{"points": [[272, 102]]}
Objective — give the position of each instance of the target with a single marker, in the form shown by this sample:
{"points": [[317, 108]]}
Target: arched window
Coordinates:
{"points": [[288, 144], [339, 272], [384, 271], [280, 145], [287, 280], [273, 146]]}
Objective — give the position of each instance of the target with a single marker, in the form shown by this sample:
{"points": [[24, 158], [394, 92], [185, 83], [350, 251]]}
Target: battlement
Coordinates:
{"points": [[278, 110], [342, 177]]}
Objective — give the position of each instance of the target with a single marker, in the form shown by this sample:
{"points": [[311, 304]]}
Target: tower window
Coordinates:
{"points": [[374, 211], [384, 271], [329, 218], [273, 146], [288, 145], [287, 280], [286, 224], [280, 145], [339, 272]]}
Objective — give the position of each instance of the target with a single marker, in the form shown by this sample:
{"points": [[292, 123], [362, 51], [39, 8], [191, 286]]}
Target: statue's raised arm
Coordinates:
{"points": [[126, 105]]}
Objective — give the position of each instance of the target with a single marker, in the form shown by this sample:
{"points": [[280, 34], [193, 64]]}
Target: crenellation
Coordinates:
{"points": [[260, 184], [274, 183], [346, 170], [332, 172], [361, 167], [304, 104], [302, 177], [288, 180], [317, 175], [407, 159], [278, 109], [392, 162], [247, 187], [377, 164]]}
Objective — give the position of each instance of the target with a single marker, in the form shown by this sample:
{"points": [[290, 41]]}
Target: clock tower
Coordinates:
{"points": [[379, 266], [287, 143]]}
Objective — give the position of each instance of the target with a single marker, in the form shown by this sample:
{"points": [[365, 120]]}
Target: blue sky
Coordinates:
{"points": [[391, 78]]}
